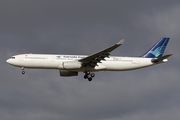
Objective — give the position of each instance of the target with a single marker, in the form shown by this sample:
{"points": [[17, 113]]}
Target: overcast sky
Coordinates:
{"points": [[84, 27]]}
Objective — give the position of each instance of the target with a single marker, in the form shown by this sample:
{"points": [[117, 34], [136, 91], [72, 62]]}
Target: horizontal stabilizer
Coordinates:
{"points": [[160, 59]]}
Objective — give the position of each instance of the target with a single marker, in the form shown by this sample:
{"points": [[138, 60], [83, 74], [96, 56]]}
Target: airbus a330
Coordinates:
{"points": [[70, 65]]}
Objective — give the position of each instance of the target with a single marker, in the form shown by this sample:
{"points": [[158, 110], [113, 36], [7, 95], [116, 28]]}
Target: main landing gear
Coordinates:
{"points": [[23, 72], [88, 75]]}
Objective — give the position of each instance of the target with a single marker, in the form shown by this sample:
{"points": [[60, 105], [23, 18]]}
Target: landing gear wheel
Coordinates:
{"points": [[23, 72], [85, 76], [88, 72], [90, 79], [88, 75], [92, 74]]}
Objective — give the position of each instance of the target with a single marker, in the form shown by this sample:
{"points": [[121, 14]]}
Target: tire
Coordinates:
{"points": [[88, 72], [90, 79], [85, 76], [92, 75], [23, 72]]}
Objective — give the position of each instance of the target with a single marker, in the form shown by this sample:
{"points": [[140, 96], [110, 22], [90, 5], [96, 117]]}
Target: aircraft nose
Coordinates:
{"points": [[8, 61]]}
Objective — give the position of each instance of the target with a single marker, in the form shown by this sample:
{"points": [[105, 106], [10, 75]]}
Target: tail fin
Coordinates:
{"points": [[157, 50]]}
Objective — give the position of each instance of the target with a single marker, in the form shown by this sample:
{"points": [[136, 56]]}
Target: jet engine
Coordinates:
{"points": [[66, 73], [72, 65]]}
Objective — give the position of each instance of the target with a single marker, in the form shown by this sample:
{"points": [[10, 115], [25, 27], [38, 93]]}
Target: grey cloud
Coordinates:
{"points": [[84, 27]]}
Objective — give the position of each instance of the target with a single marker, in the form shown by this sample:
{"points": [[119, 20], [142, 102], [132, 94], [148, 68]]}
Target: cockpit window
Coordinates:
{"points": [[12, 57]]}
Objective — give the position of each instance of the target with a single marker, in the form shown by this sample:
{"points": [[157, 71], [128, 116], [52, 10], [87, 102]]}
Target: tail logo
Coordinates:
{"points": [[158, 51]]}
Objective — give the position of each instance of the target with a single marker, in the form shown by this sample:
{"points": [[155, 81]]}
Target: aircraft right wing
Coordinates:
{"points": [[93, 59]]}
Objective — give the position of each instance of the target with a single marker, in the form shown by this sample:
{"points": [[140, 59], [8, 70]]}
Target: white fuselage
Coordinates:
{"points": [[45, 61]]}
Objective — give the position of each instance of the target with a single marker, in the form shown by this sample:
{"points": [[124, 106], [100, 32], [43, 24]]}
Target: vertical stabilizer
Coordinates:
{"points": [[157, 50]]}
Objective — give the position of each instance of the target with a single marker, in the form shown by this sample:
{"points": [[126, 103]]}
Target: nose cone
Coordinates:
{"points": [[8, 61]]}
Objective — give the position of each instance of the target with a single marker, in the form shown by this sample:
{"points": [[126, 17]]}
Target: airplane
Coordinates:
{"points": [[70, 65]]}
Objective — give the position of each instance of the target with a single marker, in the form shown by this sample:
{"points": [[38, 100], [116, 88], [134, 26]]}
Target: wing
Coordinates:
{"points": [[95, 58]]}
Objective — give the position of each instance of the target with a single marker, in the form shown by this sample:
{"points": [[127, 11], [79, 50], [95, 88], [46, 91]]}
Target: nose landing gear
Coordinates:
{"points": [[88, 75], [23, 72]]}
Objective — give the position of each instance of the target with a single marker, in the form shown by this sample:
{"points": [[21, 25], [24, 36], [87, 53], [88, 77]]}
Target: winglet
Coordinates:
{"points": [[120, 42]]}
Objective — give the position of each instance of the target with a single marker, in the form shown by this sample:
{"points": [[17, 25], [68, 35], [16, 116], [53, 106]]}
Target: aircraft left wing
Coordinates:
{"points": [[93, 59]]}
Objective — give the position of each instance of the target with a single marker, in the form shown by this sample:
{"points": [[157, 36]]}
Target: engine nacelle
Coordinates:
{"points": [[72, 65], [66, 73]]}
